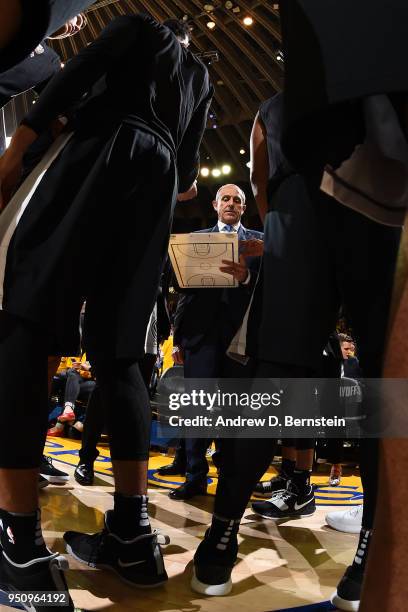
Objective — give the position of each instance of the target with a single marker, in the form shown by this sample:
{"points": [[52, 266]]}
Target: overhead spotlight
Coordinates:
{"points": [[242, 151], [204, 171], [208, 8], [279, 56], [215, 126], [248, 164], [216, 172], [236, 9], [228, 5], [211, 25], [185, 17], [248, 21], [226, 169]]}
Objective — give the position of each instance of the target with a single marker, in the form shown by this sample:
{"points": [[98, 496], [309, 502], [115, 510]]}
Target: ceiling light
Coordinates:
{"points": [[228, 5], [204, 171], [226, 169], [248, 21], [242, 151], [236, 9], [210, 25], [208, 7], [216, 172], [248, 164]]}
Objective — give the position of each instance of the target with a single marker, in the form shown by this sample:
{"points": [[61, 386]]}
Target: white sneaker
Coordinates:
{"points": [[348, 521]]}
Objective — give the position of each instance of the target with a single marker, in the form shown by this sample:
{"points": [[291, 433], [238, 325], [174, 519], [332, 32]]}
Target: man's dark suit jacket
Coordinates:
{"points": [[202, 311]]}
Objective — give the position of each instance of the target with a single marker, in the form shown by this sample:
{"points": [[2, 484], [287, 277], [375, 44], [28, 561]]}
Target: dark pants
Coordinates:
{"points": [[96, 414], [208, 360], [23, 398], [334, 450], [77, 387]]}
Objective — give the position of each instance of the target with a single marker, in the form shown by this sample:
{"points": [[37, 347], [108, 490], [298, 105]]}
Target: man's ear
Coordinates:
{"points": [[243, 208], [215, 205]]}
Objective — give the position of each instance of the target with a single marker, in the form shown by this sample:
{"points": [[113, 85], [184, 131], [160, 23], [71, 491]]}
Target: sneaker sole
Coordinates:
{"points": [[55, 479], [286, 516], [212, 590], [115, 571], [344, 604], [333, 525], [43, 484]]}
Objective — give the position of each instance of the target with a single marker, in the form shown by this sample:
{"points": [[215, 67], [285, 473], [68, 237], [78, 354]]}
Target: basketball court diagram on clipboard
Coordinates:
{"points": [[197, 257]]}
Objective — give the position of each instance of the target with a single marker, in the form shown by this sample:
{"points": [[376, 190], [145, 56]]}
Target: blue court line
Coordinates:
{"points": [[358, 497], [324, 606], [4, 602]]}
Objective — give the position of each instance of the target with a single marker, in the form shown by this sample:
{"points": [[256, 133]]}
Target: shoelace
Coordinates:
{"points": [[354, 511], [286, 496], [48, 460]]}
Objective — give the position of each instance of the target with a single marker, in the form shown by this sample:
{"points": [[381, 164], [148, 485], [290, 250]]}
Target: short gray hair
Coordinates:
{"points": [[241, 193]]}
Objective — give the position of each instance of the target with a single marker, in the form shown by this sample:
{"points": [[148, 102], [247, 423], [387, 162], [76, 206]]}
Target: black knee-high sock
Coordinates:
{"points": [[21, 536], [223, 533], [301, 479], [360, 559], [130, 518], [287, 468]]}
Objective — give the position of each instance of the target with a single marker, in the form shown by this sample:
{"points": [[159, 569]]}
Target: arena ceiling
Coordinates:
{"points": [[244, 61]]}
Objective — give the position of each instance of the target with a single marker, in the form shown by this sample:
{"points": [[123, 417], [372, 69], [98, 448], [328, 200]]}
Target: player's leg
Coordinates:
{"points": [[25, 563]]}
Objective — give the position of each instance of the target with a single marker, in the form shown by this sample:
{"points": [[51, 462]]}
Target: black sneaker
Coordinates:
{"points": [[268, 487], [138, 562], [42, 482], [287, 504], [84, 474], [214, 560], [44, 574], [347, 595], [51, 473]]}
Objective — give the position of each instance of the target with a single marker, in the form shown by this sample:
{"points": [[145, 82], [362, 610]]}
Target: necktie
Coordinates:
{"points": [[228, 228]]}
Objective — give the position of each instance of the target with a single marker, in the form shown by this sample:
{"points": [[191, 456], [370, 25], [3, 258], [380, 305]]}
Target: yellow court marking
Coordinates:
{"points": [[67, 451]]}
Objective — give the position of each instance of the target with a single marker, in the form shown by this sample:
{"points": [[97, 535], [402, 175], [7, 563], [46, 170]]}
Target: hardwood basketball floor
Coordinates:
{"points": [[281, 565]]}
